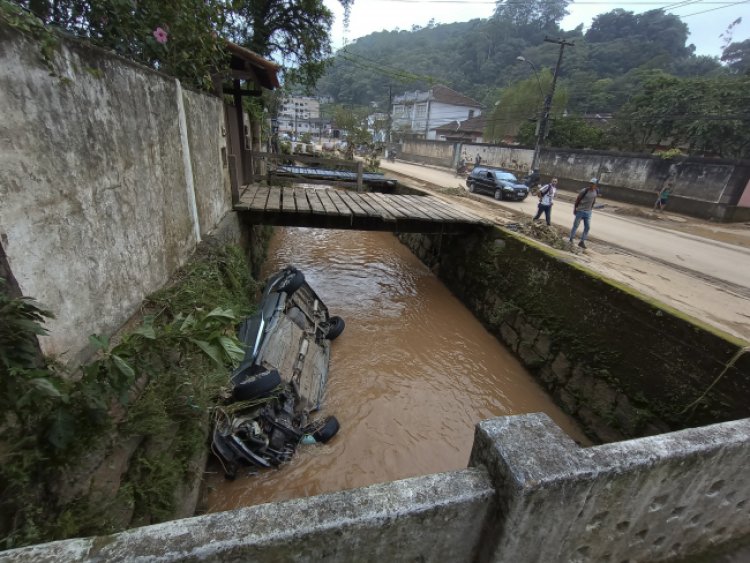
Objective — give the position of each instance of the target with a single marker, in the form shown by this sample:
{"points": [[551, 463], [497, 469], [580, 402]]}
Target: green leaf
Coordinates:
{"points": [[99, 342], [146, 331], [45, 387], [123, 367], [232, 348], [210, 350], [226, 314], [189, 322]]}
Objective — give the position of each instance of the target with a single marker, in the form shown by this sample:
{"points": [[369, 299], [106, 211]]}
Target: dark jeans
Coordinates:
{"points": [[546, 209]]}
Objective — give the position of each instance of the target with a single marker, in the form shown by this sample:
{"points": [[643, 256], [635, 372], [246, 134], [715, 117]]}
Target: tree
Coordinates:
{"points": [[523, 102], [542, 14], [702, 115], [180, 37], [184, 38], [295, 30], [575, 133], [737, 57]]}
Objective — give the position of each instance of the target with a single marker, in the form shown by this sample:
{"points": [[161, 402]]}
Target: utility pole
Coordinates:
{"points": [[390, 117], [542, 133]]}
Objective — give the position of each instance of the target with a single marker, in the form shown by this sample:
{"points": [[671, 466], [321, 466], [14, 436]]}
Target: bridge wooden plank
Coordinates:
{"points": [[274, 200], [328, 205], [393, 209], [314, 200], [379, 210], [462, 216], [354, 205], [260, 198], [371, 210], [340, 204], [415, 210], [300, 199], [453, 214], [288, 205], [427, 204]]}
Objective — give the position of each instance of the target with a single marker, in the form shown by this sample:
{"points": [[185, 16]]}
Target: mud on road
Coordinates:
{"points": [[718, 303]]}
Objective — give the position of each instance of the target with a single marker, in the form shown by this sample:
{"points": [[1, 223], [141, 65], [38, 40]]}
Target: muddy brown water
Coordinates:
{"points": [[409, 378]]}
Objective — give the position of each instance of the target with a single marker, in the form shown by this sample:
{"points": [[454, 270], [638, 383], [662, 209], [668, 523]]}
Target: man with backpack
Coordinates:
{"points": [[546, 195], [582, 209]]}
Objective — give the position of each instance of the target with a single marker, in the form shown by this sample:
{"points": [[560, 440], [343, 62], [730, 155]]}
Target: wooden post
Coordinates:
{"points": [[360, 169]]}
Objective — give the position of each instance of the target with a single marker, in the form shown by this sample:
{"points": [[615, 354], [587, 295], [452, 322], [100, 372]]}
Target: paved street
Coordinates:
{"points": [[695, 266]]}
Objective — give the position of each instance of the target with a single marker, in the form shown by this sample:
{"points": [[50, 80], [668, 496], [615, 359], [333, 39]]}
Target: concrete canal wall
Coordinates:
{"points": [[623, 365], [531, 494], [706, 188]]}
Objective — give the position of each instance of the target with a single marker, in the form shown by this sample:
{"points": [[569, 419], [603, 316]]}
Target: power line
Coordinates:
{"points": [[712, 9]]}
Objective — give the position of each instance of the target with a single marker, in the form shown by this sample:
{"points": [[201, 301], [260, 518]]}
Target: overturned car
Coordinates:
{"points": [[281, 379]]}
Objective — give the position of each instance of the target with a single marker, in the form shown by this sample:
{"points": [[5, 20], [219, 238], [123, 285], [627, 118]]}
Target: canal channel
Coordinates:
{"points": [[409, 378]]}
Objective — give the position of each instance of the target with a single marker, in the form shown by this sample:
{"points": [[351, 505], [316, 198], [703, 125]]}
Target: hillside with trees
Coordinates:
{"points": [[614, 68]]}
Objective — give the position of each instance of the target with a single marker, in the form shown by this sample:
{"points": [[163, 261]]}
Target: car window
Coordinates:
{"points": [[507, 176]]}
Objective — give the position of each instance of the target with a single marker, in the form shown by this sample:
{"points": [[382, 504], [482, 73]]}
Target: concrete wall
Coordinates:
{"points": [[709, 189], [105, 188], [658, 498], [530, 495], [624, 366]]}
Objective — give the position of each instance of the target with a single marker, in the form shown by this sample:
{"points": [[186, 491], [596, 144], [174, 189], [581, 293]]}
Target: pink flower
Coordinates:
{"points": [[160, 35]]}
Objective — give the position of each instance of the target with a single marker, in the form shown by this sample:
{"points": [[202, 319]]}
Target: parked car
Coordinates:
{"points": [[498, 183], [281, 379]]}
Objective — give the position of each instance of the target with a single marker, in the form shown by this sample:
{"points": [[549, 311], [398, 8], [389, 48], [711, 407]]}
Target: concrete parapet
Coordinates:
{"points": [[433, 518], [530, 495], [662, 497]]}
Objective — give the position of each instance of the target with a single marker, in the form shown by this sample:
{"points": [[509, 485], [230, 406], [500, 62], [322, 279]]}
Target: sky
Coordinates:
{"points": [[707, 19]]}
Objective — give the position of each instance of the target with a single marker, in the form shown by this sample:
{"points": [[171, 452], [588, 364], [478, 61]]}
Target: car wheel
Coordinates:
{"points": [[498, 194], [259, 386], [335, 327], [471, 187], [292, 282], [327, 431]]}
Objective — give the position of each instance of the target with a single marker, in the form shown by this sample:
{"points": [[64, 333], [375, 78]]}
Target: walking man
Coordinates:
{"points": [[663, 197], [546, 195], [582, 209]]}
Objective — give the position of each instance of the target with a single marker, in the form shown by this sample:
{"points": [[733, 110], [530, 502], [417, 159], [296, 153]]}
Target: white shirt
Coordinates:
{"points": [[549, 195]]}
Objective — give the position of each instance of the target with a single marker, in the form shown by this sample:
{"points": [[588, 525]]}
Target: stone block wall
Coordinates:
{"points": [[622, 365]]}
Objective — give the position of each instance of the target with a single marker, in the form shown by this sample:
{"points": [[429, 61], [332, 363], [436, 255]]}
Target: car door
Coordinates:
{"points": [[484, 182]]}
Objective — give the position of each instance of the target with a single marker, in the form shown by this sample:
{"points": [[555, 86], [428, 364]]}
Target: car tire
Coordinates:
{"points": [[471, 187], [335, 327], [291, 283], [327, 431], [498, 194], [258, 387]]}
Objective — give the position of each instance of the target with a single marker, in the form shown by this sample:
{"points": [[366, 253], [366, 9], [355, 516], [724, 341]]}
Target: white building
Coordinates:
{"points": [[420, 113], [299, 115]]}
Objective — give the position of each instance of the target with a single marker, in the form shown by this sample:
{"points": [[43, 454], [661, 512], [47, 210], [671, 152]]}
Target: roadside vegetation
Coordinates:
{"points": [[147, 392]]}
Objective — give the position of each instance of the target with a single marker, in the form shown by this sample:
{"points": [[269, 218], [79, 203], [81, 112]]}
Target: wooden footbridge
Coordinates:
{"points": [[331, 208]]}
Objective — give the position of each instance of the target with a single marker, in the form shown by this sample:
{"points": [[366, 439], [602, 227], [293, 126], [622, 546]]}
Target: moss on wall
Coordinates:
{"points": [[624, 365]]}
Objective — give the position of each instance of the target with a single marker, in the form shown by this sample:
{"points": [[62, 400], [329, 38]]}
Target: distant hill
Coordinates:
{"points": [[478, 58]]}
